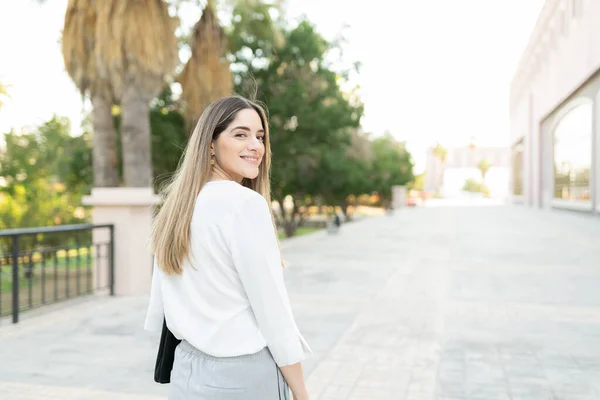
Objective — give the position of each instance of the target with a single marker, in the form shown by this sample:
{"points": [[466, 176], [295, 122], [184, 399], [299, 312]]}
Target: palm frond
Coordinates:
{"points": [[206, 76], [136, 44]]}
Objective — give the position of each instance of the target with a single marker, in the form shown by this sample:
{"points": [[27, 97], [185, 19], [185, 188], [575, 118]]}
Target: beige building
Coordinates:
{"points": [[554, 110]]}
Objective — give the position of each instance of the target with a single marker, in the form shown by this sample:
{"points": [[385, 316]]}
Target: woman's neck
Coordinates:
{"points": [[218, 174]]}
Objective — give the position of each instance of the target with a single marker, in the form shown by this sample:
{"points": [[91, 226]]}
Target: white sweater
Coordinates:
{"points": [[231, 298]]}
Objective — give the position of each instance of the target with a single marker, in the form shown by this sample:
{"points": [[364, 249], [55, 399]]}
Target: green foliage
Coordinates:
{"points": [[419, 182], [3, 93], [484, 166], [440, 152], [318, 154], [253, 35], [44, 175], [309, 114], [344, 172], [471, 185], [47, 163], [169, 136], [392, 165]]}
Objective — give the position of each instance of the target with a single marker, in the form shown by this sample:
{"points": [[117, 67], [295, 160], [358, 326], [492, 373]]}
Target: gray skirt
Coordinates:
{"points": [[199, 376]]}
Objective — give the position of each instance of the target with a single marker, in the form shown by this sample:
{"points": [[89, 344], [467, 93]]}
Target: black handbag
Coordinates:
{"points": [[165, 356]]}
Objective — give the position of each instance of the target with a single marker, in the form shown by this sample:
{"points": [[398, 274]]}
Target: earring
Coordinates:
{"points": [[212, 159]]}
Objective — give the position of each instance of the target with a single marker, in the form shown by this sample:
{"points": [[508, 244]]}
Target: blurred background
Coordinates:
{"points": [[384, 118], [433, 77]]}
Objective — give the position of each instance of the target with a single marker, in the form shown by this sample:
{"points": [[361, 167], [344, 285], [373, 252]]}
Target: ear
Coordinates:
{"points": [[212, 147]]}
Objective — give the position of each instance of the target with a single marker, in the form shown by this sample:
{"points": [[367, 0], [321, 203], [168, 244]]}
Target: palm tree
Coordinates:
{"points": [[484, 166], [206, 76], [440, 152], [120, 52], [79, 55], [136, 50]]}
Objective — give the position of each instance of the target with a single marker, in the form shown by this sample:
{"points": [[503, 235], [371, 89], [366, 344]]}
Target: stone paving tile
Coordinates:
{"points": [[22, 391], [489, 307]]}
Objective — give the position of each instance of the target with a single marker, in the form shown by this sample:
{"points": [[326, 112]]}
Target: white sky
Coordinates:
{"points": [[432, 69]]}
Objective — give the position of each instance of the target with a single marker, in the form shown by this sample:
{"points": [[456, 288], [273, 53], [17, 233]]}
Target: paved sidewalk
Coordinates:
{"points": [[487, 303]]}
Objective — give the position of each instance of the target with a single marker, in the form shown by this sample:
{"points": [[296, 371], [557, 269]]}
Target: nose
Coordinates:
{"points": [[254, 144]]}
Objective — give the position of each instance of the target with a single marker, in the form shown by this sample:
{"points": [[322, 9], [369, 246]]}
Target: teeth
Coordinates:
{"points": [[250, 158]]}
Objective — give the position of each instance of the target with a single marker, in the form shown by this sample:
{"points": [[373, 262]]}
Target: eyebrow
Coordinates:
{"points": [[245, 128]]}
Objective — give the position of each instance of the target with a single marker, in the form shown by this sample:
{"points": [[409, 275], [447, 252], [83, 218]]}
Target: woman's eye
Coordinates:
{"points": [[261, 138], [240, 135]]}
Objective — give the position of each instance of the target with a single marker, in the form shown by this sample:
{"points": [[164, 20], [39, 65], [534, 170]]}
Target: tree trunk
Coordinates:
{"points": [[287, 223], [344, 206], [289, 227], [135, 138], [280, 218], [104, 145], [300, 220]]}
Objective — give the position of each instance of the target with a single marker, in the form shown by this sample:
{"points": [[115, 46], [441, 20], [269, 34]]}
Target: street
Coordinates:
{"points": [[445, 303]]}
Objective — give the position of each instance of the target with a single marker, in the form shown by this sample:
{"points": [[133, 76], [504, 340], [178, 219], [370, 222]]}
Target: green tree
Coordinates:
{"points": [[44, 175], [471, 185], [309, 114], [50, 152], [79, 56], [115, 59], [118, 51], [343, 172], [254, 36], [392, 165], [136, 48]]}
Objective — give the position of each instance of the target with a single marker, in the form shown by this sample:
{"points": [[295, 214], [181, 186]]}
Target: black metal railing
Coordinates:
{"points": [[41, 266]]}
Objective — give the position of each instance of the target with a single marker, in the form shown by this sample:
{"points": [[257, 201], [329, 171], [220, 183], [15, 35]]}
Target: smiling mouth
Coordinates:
{"points": [[251, 160]]}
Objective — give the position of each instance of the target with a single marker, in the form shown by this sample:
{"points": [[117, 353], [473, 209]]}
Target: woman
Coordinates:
{"points": [[218, 278]]}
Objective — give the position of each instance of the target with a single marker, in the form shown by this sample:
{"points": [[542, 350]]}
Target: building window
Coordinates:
{"points": [[517, 168], [573, 155]]}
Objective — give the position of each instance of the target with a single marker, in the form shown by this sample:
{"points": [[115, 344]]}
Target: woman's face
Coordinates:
{"points": [[240, 148]]}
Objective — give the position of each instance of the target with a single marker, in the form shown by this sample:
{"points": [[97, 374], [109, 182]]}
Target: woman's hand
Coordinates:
{"points": [[295, 379], [302, 397]]}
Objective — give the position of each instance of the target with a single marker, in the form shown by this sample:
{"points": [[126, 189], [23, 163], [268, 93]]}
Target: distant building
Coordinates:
{"points": [[447, 178], [554, 110]]}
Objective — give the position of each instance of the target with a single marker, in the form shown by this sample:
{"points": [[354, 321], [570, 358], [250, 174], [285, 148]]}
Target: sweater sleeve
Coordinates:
{"points": [[156, 312], [257, 259]]}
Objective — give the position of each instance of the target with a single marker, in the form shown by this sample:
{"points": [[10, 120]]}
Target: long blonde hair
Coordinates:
{"points": [[170, 238]]}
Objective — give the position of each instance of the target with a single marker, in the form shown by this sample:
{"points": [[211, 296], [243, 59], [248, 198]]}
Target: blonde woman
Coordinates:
{"points": [[218, 278]]}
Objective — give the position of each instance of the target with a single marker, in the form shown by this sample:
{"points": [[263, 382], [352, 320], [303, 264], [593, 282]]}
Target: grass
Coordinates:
{"points": [[299, 232], [53, 288], [61, 263], [58, 258], [6, 281], [59, 277]]}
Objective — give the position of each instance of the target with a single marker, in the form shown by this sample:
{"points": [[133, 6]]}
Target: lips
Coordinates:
{"points": [[251, 160]]}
